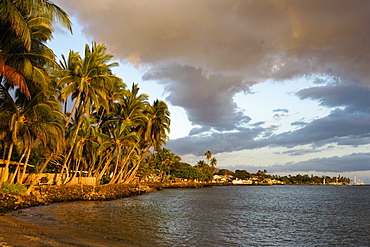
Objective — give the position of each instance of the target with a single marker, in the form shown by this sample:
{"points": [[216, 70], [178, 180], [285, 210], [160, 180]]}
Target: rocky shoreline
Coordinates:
{"points": [[43, 195]]}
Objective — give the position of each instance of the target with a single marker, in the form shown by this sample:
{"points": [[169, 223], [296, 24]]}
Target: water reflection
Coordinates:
{"points": [[226, 216]]}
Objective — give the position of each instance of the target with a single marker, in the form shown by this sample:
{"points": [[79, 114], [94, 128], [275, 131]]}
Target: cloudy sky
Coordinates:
{"points": [[277, 85]]}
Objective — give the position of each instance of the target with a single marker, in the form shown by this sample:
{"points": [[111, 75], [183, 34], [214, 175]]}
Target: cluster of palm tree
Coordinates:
{"points": [[202, 171], [207, 168], [73, 116]]}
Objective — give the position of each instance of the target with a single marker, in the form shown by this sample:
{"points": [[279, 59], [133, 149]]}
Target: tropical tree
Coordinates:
{"points": [[208, 155], [205, 169], [213, 162], [25, 26], [154, 133], [88, 81], [15, 15], [122, 145], [37, 123], [159, 164]]}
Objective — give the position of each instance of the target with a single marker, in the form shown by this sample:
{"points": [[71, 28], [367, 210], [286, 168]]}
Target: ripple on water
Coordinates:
{"points": [[227, 216]]}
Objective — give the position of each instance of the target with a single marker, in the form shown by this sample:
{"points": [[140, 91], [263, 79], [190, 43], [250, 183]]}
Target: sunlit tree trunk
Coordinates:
{"points": [[17, 170], [5, 174], [20, 181]]}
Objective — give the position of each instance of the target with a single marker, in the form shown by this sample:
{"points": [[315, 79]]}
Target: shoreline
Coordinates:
{"points": [[16, 230], [48, 194]]}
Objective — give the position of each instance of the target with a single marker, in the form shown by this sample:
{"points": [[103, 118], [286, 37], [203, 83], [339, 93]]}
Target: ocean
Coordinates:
{"points": [[222, 216]]}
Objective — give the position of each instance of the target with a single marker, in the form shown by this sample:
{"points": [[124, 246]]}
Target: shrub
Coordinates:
{"points": [[13, 188]]}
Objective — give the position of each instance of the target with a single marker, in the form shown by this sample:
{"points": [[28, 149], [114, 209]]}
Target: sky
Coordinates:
{"points": [[276, 85]]}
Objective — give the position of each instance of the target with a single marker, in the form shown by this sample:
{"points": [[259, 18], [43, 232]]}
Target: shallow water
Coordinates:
{"points": [[224, 216]]}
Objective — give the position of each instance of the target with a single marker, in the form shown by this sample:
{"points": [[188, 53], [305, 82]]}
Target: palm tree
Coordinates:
{"points": [[129, 109], [25, 26], [213, 162], [88, 81], [37, 123], [158, 125], [121, 143], [208, 155], [154, 133], [14, 14]]}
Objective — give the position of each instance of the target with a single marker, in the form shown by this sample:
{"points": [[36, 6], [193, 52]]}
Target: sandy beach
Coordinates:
{"points": [[15, 231]]}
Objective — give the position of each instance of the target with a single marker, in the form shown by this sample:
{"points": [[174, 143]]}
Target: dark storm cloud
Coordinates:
{"points": [[298, 123], [207, 99], [199, 130], [205, 52], [353, 162], [298, 152], [234, 43], [281, 110], [348, 163], [217, 142], [256, 39], [334, 128], [347, 124], [351, 96]]}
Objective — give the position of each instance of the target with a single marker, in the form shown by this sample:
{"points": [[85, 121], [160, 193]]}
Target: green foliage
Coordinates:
{"points": [[306, 179], [188, 172], [242, 174], [13, 188], [225, 172]]}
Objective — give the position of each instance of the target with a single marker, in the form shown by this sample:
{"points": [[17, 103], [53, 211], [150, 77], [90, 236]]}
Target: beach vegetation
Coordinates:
{"points": [[13, 188]]}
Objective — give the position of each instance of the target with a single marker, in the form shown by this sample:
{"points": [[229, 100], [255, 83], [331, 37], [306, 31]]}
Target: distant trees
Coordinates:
{"points": [[310, 179], [242, 174], [186, 171]]}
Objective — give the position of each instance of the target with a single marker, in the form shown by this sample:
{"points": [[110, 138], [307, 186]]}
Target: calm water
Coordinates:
{"points": [[225, 216]]}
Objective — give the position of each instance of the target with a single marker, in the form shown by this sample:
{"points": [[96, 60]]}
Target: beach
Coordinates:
{"points": [[16, 229], [15, 232]]}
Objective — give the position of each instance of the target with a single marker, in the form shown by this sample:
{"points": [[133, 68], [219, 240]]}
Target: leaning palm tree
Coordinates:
{"points": [[123, 144], [154, 133], [87, 81], [213, 162], [38, 122]]}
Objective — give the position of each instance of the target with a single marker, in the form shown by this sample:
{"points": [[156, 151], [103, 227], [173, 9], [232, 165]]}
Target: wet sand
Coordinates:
{"points": [[16, 231]]}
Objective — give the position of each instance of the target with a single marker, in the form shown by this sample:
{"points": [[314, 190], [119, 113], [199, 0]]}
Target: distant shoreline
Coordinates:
{"points": [[16, 232], [48, 194]]}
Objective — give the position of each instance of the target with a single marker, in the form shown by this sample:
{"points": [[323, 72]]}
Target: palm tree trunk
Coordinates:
{"points": [[5, 174], [118, 158], [78, 99], [75, 172], [124, 165], [25, 166], [132, 173], [71, 149], [17, 169], [101, 174]]}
